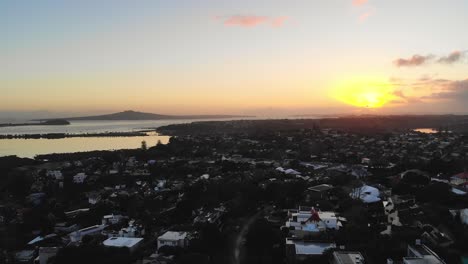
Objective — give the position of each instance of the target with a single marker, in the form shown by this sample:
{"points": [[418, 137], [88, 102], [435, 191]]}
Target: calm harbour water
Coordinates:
{"points": [[32, 147]]}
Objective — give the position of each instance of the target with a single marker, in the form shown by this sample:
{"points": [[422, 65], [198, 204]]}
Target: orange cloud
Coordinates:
{"points": [[252, 21], [359, 2]]}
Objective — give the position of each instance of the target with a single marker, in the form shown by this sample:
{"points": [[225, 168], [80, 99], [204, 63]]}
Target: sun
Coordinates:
{"points": [[368, 92]]}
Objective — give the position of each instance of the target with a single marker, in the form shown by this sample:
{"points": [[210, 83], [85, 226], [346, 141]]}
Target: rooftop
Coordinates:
{"points": [[320, 188], [122, 242], [343, 257], [310, 248], [171, 235]]}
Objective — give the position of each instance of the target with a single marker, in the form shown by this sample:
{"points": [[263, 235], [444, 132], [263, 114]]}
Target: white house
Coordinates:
{"points": [[173, 239], [366, 193], [80, 177], [301, 250], [307, 219], [132, 243]]}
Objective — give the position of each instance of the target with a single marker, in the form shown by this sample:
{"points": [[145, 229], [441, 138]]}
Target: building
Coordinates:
{"points": [[344, 257], [74, 213], [132, 230], [299, 250], [45, 253], [308, 219], [420, 254], [366, 193], [80, 177], [90, 231], [25, 256], [173, 239], [132, 243], [112, 219], [459, 179], [319, 191], [56, 174], [464, 216]]}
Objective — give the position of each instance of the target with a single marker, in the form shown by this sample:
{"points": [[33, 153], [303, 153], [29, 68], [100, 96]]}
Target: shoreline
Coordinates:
{"points": [[142, 133]]}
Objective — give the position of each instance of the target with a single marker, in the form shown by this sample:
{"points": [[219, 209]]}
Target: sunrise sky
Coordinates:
{"points": [[234, 57]]}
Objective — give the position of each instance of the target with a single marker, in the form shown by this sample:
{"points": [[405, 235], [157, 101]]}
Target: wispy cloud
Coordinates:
{"points": [[452, 91], [252, 21], [419, 60], [452, 57], [364, 9], [415, 60], [360, 2], [402, 98]]}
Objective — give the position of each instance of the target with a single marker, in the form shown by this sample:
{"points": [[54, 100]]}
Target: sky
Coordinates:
{"points": [[266, 57]]}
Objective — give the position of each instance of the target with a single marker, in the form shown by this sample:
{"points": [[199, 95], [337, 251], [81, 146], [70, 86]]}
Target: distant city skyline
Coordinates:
{"points": [[265, 58]]}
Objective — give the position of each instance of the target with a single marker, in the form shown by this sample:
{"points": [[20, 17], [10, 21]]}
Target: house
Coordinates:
{"points": [[288, 171], [347, 257], [366, 193], [420, 254], [45, 253], [310, 220], [112, 219], [319, 191], [132, 230], [460, 178], [79, 177], [92, 230], [132, 243], [56, 174], [74, 213], [94, 198], [464, 216], [435, 237], [173, 239], [25, 256], [299, 250]]}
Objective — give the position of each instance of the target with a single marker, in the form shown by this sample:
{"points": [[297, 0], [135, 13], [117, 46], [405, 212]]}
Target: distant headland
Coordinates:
{"points": [[133, 115], [51, 122]]}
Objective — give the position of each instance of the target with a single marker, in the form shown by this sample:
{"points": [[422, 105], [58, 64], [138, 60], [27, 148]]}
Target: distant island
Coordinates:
{"points": [[133, 115], [51, 122]]}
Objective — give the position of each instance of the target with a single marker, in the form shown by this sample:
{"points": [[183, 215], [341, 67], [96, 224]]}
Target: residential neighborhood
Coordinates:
{"points": [[299, 196]]}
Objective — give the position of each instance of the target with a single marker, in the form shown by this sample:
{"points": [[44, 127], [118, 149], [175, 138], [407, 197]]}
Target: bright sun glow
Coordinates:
{"points": [[364, 92]]}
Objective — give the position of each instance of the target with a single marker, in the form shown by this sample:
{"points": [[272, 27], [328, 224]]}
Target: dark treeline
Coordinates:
{"points": [[355, 124]]}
